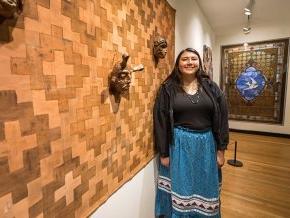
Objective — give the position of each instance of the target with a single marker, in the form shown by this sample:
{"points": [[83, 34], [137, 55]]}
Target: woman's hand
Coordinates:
{"points": [[220, 158], [164, 161]]}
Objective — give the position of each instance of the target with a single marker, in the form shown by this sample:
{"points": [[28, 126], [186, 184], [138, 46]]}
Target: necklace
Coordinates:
{"points": [[192, 93], [191, 88], [194, 99]]}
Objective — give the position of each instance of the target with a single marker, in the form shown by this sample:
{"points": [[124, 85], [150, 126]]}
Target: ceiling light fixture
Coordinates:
{"points": [[248, 10], [248, 28]]}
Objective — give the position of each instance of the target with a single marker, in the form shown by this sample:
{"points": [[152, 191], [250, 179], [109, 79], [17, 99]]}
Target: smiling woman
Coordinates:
{"points": [[191, 134]]}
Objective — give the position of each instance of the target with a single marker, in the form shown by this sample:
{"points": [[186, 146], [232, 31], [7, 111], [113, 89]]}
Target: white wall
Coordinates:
{"points": [[261, 33], [191, 27], [136, 198]]}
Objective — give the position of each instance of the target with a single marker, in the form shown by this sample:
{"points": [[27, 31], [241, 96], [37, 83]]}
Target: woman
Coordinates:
{"points": [[191, 134]]}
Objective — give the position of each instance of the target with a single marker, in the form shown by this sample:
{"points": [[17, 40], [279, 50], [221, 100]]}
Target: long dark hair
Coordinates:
{"points": [[175, 74]]}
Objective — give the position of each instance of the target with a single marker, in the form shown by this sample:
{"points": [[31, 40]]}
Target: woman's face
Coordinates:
{"points": [[188, 63]]}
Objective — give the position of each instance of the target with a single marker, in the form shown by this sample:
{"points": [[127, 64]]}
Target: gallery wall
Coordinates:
{"points": [[142, 186], [65, 144], [269, 31], [192, 28]]}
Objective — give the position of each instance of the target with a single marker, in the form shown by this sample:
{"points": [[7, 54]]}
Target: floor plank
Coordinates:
{"points": [[261, 188]]}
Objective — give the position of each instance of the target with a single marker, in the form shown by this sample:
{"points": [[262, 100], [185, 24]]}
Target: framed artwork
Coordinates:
{"points": [[253, 78], [207, 60]]}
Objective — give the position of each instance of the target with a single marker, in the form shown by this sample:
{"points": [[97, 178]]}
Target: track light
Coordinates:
{"points": [[247, 11], [248, 28], [249, 8]]}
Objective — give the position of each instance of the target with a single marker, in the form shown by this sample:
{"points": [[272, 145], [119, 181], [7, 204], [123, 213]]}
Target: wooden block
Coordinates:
{"points": [[30, 9], [44, 3], [7, 99]]}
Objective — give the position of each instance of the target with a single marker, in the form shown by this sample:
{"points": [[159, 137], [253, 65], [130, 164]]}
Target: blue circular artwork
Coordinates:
{"points": [[250, 83]]}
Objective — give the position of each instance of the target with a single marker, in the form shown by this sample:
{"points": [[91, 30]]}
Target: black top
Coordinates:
{"points": [[163, 115], [193, 111]]}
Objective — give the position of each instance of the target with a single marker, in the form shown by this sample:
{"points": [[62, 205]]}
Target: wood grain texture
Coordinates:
{"points": [[63, 151], [261, 188]]}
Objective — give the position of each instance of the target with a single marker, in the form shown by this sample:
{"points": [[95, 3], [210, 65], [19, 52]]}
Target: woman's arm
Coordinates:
{"points": [[224, 121], [161, 124], [220, 158], [224, 126]]}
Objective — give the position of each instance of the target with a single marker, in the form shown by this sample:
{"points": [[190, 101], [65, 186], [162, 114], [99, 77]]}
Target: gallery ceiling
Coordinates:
{"points": [[226, 16]]}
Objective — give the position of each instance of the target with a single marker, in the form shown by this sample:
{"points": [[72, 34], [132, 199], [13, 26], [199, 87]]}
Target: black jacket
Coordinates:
{"points": [[163, 116]]}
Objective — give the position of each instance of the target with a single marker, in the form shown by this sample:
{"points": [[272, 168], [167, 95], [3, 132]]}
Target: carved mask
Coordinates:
{"points": [[120, 81], [9, 7], [160, 48]]}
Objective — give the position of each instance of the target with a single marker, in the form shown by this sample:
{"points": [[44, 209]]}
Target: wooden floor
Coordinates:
{"points": [[261, 188]]}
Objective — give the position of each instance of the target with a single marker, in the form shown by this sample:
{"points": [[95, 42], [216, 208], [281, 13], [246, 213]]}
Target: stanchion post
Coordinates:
{"points": [[235, 162]]}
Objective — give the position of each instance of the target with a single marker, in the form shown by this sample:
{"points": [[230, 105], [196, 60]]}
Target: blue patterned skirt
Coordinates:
{"points": [[189, 187]]}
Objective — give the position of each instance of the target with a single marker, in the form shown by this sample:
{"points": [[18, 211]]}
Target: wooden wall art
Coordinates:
{"points": [[63, 152], [10, 8], [120, 78], [159, 49], [9, 14]]}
